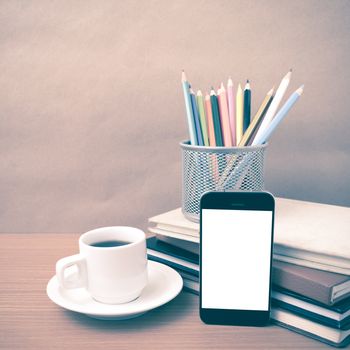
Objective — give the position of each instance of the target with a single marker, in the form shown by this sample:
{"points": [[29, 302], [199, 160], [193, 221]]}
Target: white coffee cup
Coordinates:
{"points": [[112, 275]]}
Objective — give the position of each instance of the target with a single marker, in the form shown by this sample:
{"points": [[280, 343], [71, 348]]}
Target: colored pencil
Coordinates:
{"points": [[210, 121], [257, 119], [196, 118], [274, 105], [239, 114], [224, 117], [202, 118], [266, 134], [216, 118], [231, 110], [189, 112], [246, 108]]}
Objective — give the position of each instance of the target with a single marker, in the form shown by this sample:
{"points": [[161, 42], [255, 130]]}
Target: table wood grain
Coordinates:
{"points": [[29, 320]]}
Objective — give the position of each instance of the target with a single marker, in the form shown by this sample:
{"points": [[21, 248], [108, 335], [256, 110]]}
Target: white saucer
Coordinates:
{"points": [[164, 284]]}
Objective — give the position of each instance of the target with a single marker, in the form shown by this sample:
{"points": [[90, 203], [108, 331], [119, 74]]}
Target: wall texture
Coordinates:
{"points": [[91, 106]]}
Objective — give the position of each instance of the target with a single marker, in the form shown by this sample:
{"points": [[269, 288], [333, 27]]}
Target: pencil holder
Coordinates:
{"points": [[218, 169]]}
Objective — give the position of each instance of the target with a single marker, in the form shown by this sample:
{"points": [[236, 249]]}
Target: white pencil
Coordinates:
{"points": [[231, 110], [189, 112], [274, 105], [264, 137]]}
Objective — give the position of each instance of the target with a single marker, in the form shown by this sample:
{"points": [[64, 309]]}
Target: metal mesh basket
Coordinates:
{"points": [[218, 169]]}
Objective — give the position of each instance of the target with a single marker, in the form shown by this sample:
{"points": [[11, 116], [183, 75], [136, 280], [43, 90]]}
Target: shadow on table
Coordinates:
{"points": [[175, 310]]}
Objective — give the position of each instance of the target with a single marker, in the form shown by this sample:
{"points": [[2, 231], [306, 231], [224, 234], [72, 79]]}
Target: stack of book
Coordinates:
{"points": [[310, 272]]}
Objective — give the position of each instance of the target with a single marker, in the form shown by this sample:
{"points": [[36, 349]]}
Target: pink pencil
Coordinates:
{"points": [[224, 117], [210, 122], [231, 110]]}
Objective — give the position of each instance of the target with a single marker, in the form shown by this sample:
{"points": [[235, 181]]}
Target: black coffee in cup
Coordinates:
{"points": [[109, 244]]}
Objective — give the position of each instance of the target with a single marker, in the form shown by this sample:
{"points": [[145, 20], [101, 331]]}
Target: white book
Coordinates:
{"points": [[308, 234], [312, 264], [174, 219], [304, 230], [175, 232]]}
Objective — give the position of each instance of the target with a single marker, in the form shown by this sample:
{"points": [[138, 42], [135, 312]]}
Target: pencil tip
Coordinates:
{"points": [[291, 69], [289, 74], [248, 81]]}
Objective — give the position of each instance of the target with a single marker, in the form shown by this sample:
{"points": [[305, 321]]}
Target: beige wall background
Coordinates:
{"points": [[92, 109]]}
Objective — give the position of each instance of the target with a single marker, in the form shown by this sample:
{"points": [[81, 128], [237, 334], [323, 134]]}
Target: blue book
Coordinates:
{"points": [[172, 256], [313, 329], [336, 316]]}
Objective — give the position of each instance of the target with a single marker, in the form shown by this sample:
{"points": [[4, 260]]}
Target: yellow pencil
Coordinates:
{"points": [[239, 114], [257, 119]]}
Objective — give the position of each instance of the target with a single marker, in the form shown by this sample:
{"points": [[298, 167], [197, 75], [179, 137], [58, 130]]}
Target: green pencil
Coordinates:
{"points": [[246, 108], [200, 103], [216, 118]]}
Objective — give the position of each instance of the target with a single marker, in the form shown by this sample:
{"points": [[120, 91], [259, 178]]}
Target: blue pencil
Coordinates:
{"points": [[196, 119], [216, 118], [266, 134]]}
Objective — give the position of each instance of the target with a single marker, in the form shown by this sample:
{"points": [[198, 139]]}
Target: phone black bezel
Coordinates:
{"points": [[237, 200]]}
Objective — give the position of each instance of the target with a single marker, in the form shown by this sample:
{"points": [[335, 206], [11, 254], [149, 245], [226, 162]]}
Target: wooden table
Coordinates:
{"points": [[29, 320]]}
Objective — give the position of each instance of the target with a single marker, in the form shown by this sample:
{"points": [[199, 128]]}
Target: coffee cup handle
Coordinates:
{"points": [[76, 280]]}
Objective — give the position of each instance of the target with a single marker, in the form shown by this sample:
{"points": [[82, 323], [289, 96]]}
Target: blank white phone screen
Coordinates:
{"points": [[236, 250]]}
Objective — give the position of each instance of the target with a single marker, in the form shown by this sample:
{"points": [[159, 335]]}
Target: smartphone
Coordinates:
{"points": [[236, 237]]}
